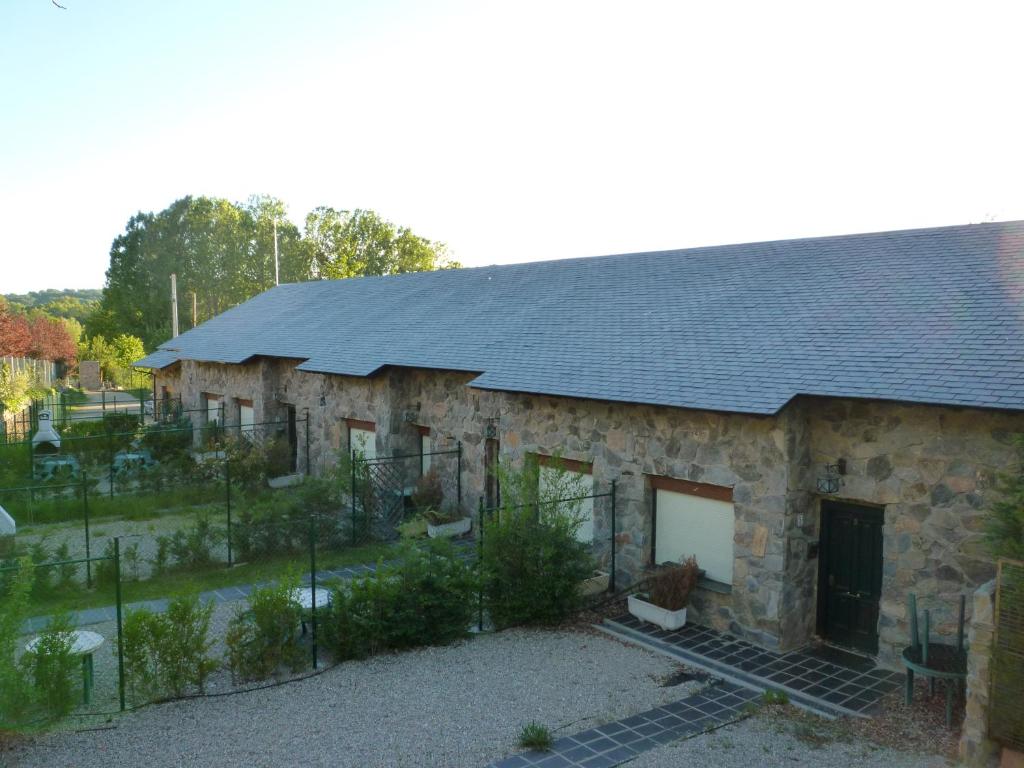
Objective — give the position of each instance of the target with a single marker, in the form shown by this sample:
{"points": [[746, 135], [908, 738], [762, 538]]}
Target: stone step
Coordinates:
{"points": [[727, 672]]}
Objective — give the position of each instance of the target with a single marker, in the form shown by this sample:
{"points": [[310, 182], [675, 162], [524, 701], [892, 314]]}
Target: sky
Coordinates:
{"points": [[510, 131]]}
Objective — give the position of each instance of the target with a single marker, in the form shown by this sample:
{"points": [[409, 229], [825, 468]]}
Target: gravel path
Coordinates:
{"points": [[774, 740], [460, 705]]}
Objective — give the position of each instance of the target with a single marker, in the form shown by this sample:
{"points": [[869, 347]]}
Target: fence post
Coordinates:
{"points": [[103, 397], [352, 487], [312, 586], [611, 574], [308, 468], [85, 513], [458, 472], [110, 455], [120, 639], [480, 563], [227, 492]]}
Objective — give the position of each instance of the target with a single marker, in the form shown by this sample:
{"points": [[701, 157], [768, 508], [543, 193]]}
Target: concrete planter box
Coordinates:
{"points": [[450, 530], [596, 584], [664, 618], [284, 481]]}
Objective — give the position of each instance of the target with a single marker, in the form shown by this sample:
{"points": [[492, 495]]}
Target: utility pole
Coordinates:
{"points": [[174, 304], [277, 280], [194, 313]]}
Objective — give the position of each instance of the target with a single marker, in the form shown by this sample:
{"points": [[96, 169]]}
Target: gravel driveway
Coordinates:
{"points": [[460, 705], [770, 740]]}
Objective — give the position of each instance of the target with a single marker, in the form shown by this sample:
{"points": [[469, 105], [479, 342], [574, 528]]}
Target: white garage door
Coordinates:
{"points": [[581, 484], [693, 525], [364, 441]]}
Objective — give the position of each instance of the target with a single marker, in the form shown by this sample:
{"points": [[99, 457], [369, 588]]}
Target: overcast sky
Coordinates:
{"points": [[514, 131]]}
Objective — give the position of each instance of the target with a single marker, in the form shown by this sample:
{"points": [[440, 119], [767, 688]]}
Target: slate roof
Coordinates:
{"points": [[927, 316]]}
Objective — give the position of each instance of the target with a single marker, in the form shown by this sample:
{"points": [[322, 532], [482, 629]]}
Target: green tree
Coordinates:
{"points": [[357, 243], [15, 388], [223, 252]]}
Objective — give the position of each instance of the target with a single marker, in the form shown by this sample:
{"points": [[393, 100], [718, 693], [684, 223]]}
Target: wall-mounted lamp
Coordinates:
{"points": [[491, 429], [832, 479], [323, 401]]}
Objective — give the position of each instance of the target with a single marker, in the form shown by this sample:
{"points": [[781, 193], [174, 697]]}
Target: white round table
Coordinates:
{"points": [[84, 644], [305, 597]]}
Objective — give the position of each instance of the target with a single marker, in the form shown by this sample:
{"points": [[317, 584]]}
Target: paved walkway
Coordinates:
{"points": [[618, 742], [830, 683]]}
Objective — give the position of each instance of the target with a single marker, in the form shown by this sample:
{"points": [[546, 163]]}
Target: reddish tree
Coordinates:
{"points": [[51, 341], [15, 334]]}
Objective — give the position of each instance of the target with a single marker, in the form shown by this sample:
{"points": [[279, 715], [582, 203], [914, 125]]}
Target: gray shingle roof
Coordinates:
{"points": [[159, 358], [930, 316]]}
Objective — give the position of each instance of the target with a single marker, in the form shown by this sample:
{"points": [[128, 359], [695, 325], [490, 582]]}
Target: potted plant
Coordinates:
{"points": [[665, 602], [447, 524]]}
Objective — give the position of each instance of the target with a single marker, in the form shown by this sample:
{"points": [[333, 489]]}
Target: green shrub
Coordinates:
{"points": [[535, 736], [425, 598], [53, 669], [67, 573], [189, 549], [279, 521], [1005, 527], [167, 654], [15, 587], [264, 638], [104, 572], [42, 581], [166, 440], [532, 562]]}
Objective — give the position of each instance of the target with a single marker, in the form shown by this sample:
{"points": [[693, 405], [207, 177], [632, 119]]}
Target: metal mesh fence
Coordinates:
{"points": [[59, 635]]}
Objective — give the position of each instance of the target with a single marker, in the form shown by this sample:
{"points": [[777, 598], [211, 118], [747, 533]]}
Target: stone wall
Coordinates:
{"points": [[932, 470], [975, 747]]}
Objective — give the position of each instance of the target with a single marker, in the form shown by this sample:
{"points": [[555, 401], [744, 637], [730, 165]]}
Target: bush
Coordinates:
{"points": [[190, 548], [15, 586], [425, 598], [167, 654], [42, 581], [53, 669], [532, 563], [279, 522], [265, 637], [1005, 527], [166, 440], [671, 585]]}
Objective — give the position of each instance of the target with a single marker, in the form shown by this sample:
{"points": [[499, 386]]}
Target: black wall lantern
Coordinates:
{"points": [[833, 477]]}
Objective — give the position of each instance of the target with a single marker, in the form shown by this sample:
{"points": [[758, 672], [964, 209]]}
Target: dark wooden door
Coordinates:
{"points": [[850, 577]]}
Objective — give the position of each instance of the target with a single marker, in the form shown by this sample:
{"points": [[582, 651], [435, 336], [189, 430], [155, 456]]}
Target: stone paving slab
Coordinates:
{"points": [[620, 741], [825, 685]]}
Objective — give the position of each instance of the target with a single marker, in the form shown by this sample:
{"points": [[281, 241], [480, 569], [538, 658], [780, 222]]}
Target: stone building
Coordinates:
{"points": [[821, 421]]}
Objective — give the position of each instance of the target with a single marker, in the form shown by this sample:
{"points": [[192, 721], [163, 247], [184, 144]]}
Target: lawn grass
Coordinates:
{"points": [[176, 583]]}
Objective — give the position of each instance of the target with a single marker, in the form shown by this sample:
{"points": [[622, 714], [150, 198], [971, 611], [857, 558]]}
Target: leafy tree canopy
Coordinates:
{"points": [[223, 253]]}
